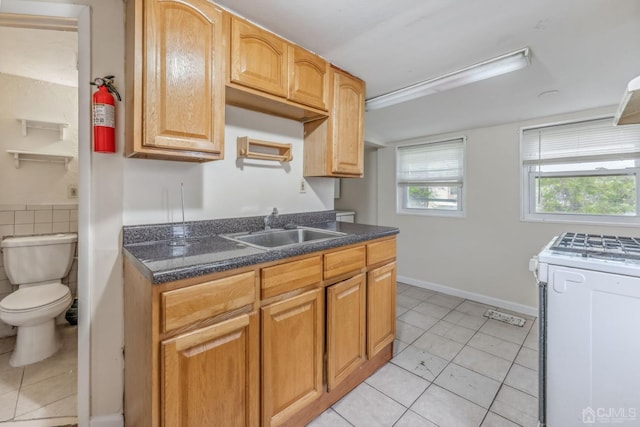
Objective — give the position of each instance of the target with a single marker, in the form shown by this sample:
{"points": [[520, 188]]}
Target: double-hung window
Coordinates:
{"points": [[430, 177], [581, 172]]}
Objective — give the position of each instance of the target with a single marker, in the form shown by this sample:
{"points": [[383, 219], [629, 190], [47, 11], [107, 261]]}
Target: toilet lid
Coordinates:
{"points": [[34, 297]]}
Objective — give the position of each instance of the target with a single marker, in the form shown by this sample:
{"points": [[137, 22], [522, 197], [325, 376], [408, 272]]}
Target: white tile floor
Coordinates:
{"points": [[43, 390], [451, 367]]}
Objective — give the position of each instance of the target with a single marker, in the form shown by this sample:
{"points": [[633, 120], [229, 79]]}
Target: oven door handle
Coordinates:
{"points": [[542, 354]]}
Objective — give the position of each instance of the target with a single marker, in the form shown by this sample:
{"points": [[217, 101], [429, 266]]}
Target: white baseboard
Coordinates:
{"points": [[48, 422], [111, 420], [496, 302]]}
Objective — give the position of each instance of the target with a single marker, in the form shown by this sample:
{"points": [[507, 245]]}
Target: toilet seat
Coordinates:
{"points": [[36, 297]]}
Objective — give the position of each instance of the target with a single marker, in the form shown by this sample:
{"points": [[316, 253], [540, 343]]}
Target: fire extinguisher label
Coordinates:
{"points": [[104, 115]]}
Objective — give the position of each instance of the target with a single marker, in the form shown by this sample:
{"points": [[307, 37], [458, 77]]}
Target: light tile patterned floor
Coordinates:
{"points": [[451, 367], [43, 390]]}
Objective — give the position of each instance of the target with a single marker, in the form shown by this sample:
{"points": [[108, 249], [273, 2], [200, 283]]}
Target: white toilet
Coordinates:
{"points": [[37, 265]]}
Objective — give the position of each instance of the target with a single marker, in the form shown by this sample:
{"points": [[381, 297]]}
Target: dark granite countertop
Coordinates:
{"points": [[150, 247]]}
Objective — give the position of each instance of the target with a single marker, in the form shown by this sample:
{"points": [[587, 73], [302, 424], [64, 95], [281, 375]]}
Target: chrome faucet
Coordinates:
{"points": [[270, 219]]}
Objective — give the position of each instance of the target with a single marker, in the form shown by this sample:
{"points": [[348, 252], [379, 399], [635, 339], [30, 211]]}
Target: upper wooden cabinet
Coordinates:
{"points": [[186, 59], [308, 78], [175, 69], [334, 146], [268, 74], [258, 58]]}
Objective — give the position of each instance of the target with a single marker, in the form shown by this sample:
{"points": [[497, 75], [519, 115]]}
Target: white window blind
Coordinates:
{"points": [[438, 163], [592, 140]]}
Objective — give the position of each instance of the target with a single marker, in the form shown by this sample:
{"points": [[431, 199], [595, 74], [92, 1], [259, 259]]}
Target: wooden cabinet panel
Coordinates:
{"points": [[258, 58], [384, 250], [335, 146], [289, 276], [210, 376], [308, 78], [348, 127], [346, 328], [344, 261], [182, 307], [292, 355], [182, 94], [381, 308]]}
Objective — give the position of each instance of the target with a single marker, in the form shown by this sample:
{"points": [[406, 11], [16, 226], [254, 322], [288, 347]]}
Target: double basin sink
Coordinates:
{"points": [[279, 238]]}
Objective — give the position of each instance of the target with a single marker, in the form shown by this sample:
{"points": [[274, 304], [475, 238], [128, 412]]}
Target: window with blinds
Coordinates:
{"points": [[430, 177], [581, 171]]}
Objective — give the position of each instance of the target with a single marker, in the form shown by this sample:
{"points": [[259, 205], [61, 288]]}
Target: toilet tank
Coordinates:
{"points": [[32, 259]]}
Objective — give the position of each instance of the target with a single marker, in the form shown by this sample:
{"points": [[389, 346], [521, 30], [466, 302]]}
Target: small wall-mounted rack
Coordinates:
{"points": [[263, 150], [35, 156], [36, 124]]}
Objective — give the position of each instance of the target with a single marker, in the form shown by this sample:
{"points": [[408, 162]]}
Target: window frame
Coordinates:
{"points": [[528, 176], [460, 212]]}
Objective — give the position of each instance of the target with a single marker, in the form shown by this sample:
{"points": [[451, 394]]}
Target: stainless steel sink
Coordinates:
{"points": [[277, 238]]}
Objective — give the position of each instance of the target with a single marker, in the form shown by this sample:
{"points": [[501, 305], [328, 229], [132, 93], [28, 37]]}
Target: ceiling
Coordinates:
{"points": [[587, 50], [45, 55]]}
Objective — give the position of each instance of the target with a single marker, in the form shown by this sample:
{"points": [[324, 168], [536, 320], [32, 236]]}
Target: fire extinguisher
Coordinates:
{"points": [[104, 114]]}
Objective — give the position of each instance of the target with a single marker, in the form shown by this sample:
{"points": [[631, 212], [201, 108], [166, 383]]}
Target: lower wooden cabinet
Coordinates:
{"points": [[209, 377], [267, 345], [292, 355], [381, 308], [346, 328]]}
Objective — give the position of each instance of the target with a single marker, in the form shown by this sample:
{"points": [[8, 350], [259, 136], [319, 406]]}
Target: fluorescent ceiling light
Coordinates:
{"points": [[484, 70]]}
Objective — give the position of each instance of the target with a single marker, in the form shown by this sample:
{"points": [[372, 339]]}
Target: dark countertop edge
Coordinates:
{"points": [[171, 275]]}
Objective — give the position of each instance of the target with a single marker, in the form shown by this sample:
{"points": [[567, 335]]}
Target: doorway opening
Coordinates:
{"points": [[56, 389]]}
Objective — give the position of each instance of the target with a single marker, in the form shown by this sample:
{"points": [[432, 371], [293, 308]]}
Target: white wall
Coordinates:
{"points": [[486, 252], [361, 194], [37, 182], [226, 188]]}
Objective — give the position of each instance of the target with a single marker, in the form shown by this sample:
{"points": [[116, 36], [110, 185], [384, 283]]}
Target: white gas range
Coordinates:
{"points": [[589, 287]]}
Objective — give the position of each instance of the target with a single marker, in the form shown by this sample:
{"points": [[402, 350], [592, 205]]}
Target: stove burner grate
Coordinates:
{"points": [[599, 245]]}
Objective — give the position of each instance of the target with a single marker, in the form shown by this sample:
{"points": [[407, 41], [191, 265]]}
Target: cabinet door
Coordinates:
{"points": [[381, 308], [346, 324], [258, 58], [210, 376], [183, 94], [292, 353], [308, 78], [348, 124]]}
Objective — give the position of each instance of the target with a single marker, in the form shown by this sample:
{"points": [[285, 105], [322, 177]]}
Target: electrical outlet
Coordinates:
{"points": [[72, 191], [303, 186]]}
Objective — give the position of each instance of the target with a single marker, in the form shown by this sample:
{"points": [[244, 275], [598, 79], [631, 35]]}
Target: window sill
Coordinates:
{"points": [[623, 222], [434, 213]]}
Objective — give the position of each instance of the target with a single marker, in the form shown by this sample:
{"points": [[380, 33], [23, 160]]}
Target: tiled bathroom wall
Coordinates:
{"points": [[24, 220]]}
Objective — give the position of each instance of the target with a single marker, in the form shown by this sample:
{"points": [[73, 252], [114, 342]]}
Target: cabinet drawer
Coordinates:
{"points": [[289, 276], [345, 261], [381, 251], [182, 307]]}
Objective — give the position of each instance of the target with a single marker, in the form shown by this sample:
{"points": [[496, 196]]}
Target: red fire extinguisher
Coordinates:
{"points": [[104, 114]]}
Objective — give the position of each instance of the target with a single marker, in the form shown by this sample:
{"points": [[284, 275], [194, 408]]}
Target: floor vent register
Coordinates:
{"points": [[504, 317]]}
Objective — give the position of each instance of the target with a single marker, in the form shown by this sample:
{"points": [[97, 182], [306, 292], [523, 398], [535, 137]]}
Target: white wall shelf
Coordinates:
{"points": [[36, 124], [35, 156]]}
